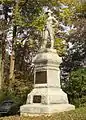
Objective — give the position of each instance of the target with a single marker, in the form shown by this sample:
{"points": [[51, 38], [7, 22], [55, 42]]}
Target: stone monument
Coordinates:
{"points": [[47, 96], [49, 30]]}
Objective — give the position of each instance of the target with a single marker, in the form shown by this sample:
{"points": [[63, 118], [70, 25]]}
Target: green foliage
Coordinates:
{"points": [[39, 22], [17, 91], [2, 95], [74, 8], [81, 8], [17, 18], [6, 1], [20, 89], [68, 2], [76, 86], [60, 46], [67, 15]]}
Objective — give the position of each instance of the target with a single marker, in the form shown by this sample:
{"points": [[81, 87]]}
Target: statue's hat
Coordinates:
{"points": [[49, 11]]}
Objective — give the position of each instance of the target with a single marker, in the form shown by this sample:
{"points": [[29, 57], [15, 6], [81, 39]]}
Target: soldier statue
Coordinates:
{"points": [[49, 30]]}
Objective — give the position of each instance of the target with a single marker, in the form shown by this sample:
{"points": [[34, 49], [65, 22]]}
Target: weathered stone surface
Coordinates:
{"points": [[46, 56], [47, 95], [40, 109]]}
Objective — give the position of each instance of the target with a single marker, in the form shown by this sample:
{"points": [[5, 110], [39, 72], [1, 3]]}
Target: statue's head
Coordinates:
{"points": [[49, 12]]}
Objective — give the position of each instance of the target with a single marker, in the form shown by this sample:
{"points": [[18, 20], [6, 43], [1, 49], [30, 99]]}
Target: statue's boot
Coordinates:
{"points": [[52, 44]]}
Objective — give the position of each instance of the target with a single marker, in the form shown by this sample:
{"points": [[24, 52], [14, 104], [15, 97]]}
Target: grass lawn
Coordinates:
{"points": [[78, 114]]}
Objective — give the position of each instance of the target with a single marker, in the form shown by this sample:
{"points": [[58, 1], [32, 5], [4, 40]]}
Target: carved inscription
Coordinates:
{"points": [[36, 99], [41, 77]]}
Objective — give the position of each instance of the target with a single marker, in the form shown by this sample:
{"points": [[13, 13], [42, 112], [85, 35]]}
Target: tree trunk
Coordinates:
{"points": [[12, 59], [12, 65], [2, 61], [0, 71]]}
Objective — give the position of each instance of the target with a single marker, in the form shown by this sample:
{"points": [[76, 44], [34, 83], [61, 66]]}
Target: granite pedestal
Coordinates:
{"points": [[47, 96]]}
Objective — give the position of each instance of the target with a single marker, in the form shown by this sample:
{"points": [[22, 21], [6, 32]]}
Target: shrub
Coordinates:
{"points": [[17, 91], [76, 87]]}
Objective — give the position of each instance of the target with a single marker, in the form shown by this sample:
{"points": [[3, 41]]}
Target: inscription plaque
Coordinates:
{"points": [[41, 77], [36, 99]]}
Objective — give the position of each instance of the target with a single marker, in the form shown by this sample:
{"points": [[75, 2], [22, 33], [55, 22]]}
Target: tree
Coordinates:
{"points": [[74, 61], [76, 86], [76, 52], [3, 22], [0, 65], [27, 22], [25, 18]]}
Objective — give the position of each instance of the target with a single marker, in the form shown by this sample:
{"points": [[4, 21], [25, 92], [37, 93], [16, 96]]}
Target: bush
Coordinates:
{"points": [[76, 87], [17, 91], [2, 95]]}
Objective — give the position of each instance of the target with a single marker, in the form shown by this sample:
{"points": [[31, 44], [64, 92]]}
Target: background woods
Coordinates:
{"points": [[21, 25]]}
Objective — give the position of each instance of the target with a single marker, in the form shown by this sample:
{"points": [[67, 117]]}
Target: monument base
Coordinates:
{"points": [[37, 109], [45, 101], [47, 97]]}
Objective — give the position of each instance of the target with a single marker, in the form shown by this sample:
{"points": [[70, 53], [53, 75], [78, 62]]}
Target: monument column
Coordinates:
{"points": [[47, 97]]}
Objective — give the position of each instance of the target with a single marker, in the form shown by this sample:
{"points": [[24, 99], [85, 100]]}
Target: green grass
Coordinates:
{"points": [[78, 114]]}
